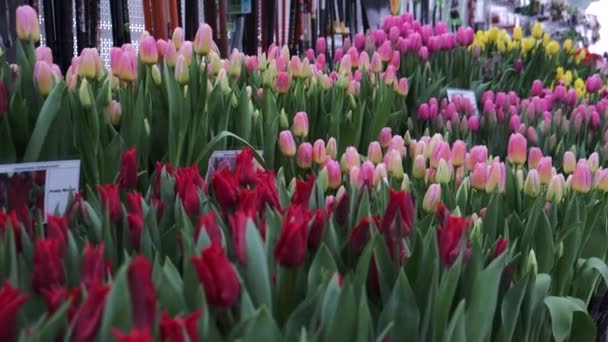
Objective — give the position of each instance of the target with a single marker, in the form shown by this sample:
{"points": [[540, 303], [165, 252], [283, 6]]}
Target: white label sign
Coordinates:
{"points": [[220, 159], [44, 185], [466, 94]]}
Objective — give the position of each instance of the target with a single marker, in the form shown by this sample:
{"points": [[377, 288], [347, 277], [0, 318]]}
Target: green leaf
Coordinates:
{"points": [[301, 316], [365, 326], [47, 115], [262, 328], [340, 325], [402, 309], [256, 273], [323, 264], [561, 310], [170, 289], [510, 308], [117, 312], [493, 222], [457, 329], [50, 329], [543, 244], [482, 306], [445, 297]]}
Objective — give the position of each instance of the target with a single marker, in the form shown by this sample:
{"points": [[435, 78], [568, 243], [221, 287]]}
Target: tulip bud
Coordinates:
{"points": [[114, 112], [594, 162], [459, 151], [601, 180], [148, 50], [496, 177], [28, 27], [44, 53], [127, 70], [544, 169], [432, 198], [534, 157], [304, 156], [282, 82], [43, 78], [419, 167], [350, 159], [380, 174], [569, 162], [555, 191], [442, 176], [85, 95], [334, 174], [156, 77], [532, 184], [354, 176], [300, 125], [385, 137], [532, 265], [87, 64], [182, 72], [318, 152], [401, 87], [283, 121], [581, 178], [286, 143], [331, 148], [395, 164], [406, 184], [203, 39], [479, 176], [236, 64], [374, 152], [516, 149], [366, 174], [178, 37]]}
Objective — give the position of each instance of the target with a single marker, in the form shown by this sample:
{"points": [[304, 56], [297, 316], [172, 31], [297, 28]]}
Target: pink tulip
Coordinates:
{"points": [[287, 144], [465, 36], [87, 65], [479, 176], [282, 82], [28, 28], [366, 174], [43, 77], [182, 72], [360, 41], [594, 162], [385, 137], [569, 163], [354, 176], [432, 198], [318, 152], [170, 55], [544, 170], [440, 151], [534, 157], [478, 154], [334, 174], [321, 46], [178, 37], [127, 70], [496, 177], [395, 164], [350, 159], [601, 180], [401, 87], [581, 178], [374, 152], [593, 83], [380, 174], [300, 125], [203, 39], [115, 56], [44, 53], [148, 50], [516, 149], [331, 148], [304, 156], [397, 143]]}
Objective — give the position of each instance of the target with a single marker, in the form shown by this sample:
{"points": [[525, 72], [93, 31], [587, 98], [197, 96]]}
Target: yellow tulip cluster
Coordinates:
{"points": [[579, 86], [564, 76]]}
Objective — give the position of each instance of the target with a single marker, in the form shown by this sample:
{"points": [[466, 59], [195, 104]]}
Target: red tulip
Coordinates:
{"points": [[136, 227], [11, 300], [290, 250], [134, 201], [11, 218], [225, 188], [216, 273], [238, 225], [143, 295], [77, 206], [250, 203], [93, 268], [128, 169], [341, 210], [88, 317], [359, 236], [399, 215], [211, 227], [267, 190], [316, 229], [501, 247], [160, 208], [110, 201], [244, 169], [57, 229], [57, 296], [173, 329], [48, 268], [450, 233], [303, 190], [135, 335], [187, 183]]}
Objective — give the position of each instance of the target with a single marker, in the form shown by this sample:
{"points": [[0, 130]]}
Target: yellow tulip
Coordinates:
{"points": [[510, 45], [568, 45], [579, 83], [492, 34], [546, 39], [500, 45], [552, 47], [527, 45], [567, 77], [517, 33], [559, 72], [537, 31], [580, 92]]}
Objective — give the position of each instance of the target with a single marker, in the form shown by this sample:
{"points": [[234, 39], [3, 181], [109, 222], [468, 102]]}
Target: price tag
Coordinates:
{"points": [[465, 94], [227, 158], [45, 185]]}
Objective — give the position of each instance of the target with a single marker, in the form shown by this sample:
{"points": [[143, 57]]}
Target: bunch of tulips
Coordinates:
{"points": [[378, 210]]}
